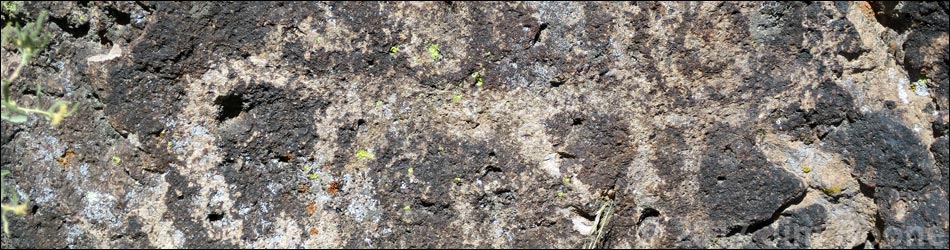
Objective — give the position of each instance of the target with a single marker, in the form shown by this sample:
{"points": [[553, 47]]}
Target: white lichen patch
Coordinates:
{"points": [[99, 208], [286, 234], [582, 225], [363, 207], [96, 220], [920, 87], [901, 90]]}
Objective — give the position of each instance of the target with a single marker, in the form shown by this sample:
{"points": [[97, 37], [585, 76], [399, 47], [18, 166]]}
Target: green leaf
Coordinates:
{"points": [[4, 172]]}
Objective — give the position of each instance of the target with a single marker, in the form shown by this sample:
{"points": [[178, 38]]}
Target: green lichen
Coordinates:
{"points": [[83, 18], [457, 98], [832, 190], [434, 51], [394, 50], [560, 194], [314, 176], [806, 169], [457, 180], [116, 160], [363, 154], [441, 148], [409, 171], [478, 78]]}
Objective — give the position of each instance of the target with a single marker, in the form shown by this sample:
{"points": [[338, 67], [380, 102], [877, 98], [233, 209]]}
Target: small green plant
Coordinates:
{"points": [[17, 206], [10, 7], [434, 51], [407, 208], [478, 78], [30, 40], [314, 176], [363, 154], [457, 98]]}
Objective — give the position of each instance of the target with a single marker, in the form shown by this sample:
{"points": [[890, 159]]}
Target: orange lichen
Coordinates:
{"points": [[313, 231], [66, 158], [286, 157], [865, 9], [334, 188], [311, 208], [304, 188]]}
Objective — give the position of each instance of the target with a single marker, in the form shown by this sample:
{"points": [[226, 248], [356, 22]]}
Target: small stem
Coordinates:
{"points": [[16, 73], [31, 110]]}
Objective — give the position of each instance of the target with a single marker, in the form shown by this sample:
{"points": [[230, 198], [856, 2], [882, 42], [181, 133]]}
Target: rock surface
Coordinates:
{"points": [[458, 124]]}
